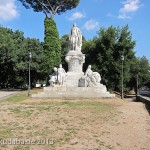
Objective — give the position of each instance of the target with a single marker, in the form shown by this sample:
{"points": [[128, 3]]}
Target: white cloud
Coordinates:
{"points": [[123, 16], [77, 15], [8, 10], [110, 15], [129, 6], [91, 24]]}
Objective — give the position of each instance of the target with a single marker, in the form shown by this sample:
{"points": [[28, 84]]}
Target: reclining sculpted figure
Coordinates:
{"points": [[92, 78]]}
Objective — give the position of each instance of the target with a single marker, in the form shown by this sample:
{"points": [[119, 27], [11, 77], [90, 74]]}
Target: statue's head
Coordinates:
{"points": [[60, 66], [89, 67], [74, 25], [55, 69]]}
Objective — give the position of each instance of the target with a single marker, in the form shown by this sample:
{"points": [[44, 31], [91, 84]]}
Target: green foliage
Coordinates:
{"points": [[140, 70], [64, 49], [36, 48], [14, 51], [64, 44], [104, 54], [50, 6], [88, 49], [52, 46], [17, 98]]}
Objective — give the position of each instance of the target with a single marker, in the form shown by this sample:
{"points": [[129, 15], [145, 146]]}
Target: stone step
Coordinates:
{"points": [[73, 92]]}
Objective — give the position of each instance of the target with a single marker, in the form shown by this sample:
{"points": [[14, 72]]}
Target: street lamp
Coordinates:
{"points": [[137, 84], [122, 59], [29, 85]]}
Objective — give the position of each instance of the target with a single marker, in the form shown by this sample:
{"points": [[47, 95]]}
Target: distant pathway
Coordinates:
{"points": [[6, 94], [131, 129]]}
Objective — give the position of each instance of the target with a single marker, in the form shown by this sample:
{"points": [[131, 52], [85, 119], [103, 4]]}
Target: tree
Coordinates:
{"points": [[140, 70], [14, 51], [104, 54], [64, 49], [125, 46], [50, 7], [52, 45], [88, 49], [7, 59], [36, 48]]}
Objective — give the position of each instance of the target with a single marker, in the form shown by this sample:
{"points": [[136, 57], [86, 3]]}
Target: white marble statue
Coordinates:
{"points": [[61, 75], [75, 38], [58, 77], [54, 77], [92, 78]]}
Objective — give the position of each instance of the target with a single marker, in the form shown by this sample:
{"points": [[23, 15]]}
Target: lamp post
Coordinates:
{"points": [[137, 85], [29, 85], [122, 59]]}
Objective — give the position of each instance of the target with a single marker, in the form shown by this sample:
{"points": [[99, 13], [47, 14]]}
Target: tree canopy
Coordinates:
{"points": [[50, 7], [14, 52], [104, 52], [52, 46], [140, 70]]}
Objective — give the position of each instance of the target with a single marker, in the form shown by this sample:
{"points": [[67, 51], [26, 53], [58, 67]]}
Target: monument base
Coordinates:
{"points": [[72, 79], [74, 92]]}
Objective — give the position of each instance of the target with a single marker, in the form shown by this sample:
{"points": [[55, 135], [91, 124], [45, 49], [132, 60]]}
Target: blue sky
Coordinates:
{"points": [[89, 15]]}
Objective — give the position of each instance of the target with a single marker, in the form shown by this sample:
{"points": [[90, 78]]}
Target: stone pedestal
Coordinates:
{"points": [[75, 62], [72, 79]]}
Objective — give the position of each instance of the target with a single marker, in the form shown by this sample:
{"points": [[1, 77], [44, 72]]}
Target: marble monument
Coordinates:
{"points": [[74, 83]]}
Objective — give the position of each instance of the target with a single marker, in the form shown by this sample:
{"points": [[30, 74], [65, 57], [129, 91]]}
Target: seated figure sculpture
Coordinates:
{"points": [[53, 78], [92, 78], [58, 77]]}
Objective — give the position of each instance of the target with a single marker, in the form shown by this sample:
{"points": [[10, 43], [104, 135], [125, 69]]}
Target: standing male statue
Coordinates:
{"points": [[61, 75], [75, 38]]}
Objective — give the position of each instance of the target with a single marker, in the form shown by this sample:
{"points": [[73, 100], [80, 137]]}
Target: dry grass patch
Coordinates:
{"points": [[70, 124]]}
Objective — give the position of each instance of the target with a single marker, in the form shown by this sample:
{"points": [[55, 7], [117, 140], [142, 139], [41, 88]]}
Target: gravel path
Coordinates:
{"points": [[131, 129]]}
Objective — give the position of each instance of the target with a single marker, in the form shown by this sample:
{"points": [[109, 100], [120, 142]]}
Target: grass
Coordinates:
{"points": [[94, 106], [17, 98], [15, 110], [5, 132], [23, 95], [61, 120]]}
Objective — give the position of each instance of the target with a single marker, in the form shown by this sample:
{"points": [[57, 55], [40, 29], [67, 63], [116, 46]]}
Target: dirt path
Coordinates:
{"points": [[130, 130]]}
